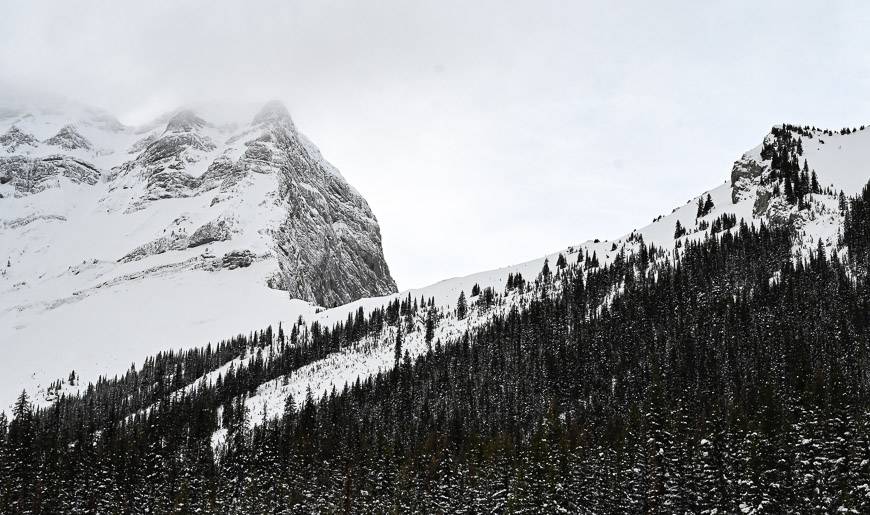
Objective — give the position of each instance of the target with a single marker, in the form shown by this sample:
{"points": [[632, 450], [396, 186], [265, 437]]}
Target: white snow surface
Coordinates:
{"points": [[841, 160]]}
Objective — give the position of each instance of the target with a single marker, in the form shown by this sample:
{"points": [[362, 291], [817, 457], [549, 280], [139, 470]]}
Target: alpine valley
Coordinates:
{"points": [[715, 361]]}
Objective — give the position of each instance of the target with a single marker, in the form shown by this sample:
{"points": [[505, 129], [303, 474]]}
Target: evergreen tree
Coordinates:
{"points": [[461, 306], [21, 456], [790, 195], [397, 346], [430, 328]]}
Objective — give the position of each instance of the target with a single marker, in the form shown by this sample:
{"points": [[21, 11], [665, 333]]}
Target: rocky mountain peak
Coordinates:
{"points": [[273, 111], [69, 138], [185, 121], [15, 137]]}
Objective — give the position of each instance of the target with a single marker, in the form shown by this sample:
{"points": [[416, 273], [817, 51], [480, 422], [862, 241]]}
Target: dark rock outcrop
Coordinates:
{"points": [[32, 175], [745, 172], [237, 259], [68, 138], [216, 230], [14, 138]]}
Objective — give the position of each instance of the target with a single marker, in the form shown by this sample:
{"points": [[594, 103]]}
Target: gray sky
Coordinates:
{"points": [[481, 133]]}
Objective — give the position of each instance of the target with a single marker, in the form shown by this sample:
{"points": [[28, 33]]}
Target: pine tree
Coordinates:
{"points": [[21, 455], [397, 346], [790, 196], [461, 306], [679, 230], [289, 408], [430, 328]]}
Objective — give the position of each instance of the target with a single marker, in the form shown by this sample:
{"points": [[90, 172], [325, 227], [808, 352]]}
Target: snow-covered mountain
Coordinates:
{"points": [[753, 192], [118, 242]]}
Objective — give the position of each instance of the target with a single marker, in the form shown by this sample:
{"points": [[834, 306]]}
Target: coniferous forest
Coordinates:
{"points": [[727, 378]]}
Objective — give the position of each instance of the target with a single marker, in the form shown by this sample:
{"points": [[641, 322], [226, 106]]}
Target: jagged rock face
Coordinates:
{"points": [[329, 244], [745, 173], [68, 138], [330, 254], [216, 230], [237, 259], [163, 159], [747, 181], [33, 175], [15, 138], [259, 194]]}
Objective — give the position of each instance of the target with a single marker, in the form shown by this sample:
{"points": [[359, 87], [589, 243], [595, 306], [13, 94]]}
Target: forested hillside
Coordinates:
{"points": [[726, 377]]}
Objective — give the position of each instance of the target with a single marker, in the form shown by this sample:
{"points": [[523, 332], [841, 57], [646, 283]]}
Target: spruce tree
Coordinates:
{"points": [[461, 306], [708, 205], [397, 346], [430, 328]]}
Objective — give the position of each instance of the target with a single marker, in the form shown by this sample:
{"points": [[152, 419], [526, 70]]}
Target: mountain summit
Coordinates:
{"points": [[274, 110], [182, 225]]}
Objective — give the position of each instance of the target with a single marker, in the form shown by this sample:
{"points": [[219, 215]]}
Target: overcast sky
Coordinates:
{"points": [[481, 133]]}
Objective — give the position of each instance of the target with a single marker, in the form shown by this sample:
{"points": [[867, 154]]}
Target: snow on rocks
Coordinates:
{"points": [[194, 230]]}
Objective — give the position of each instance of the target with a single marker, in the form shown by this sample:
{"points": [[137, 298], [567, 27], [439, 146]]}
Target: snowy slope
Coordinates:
{"points": [[841, 160]]}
